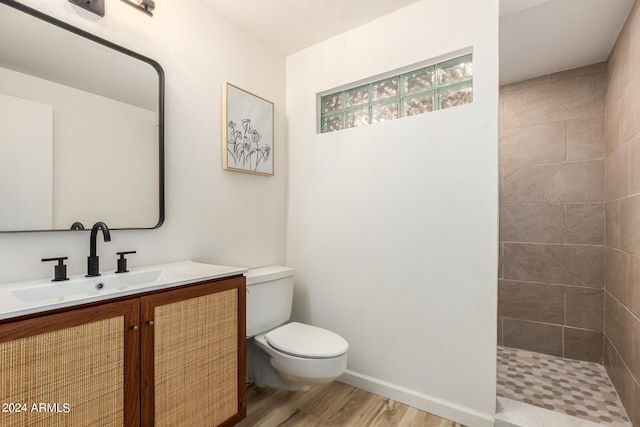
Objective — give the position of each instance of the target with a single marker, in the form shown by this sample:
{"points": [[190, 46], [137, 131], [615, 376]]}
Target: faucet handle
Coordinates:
{"points": [[60, 270], [122, 261]]}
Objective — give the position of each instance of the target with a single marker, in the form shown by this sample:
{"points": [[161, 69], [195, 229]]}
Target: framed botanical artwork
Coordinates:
{"points": [[247, 140]]}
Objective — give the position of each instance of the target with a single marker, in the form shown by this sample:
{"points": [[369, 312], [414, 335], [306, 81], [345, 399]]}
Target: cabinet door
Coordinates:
{"points": [[193, 355], [76, 368]]}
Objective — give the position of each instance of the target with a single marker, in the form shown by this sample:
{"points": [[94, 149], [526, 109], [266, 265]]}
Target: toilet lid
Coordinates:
{"points": [[298, 339]]}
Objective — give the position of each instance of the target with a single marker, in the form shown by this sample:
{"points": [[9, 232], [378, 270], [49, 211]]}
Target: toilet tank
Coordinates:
{"points": [[269, 298]]}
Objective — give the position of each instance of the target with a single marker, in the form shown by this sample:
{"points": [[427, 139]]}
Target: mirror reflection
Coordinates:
{"points": [[81, 128]]}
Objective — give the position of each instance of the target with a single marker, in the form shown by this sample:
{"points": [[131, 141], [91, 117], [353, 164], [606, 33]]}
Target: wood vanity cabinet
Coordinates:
{"points": [[169, 357], [193, 355], [77, 367]]}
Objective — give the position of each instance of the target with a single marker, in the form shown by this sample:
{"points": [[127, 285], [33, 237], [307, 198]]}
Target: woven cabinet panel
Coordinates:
{"points": [[82, 366], [196, 360]]}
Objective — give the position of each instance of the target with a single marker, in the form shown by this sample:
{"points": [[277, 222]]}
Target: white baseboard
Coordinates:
{"points": [[440, 407]]}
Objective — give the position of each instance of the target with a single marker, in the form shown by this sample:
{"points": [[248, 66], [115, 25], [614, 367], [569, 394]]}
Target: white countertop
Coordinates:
{"points": [[42, 295]]}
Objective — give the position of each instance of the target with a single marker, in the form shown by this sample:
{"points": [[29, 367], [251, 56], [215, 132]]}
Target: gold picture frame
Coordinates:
{"points": [[247, 132]]}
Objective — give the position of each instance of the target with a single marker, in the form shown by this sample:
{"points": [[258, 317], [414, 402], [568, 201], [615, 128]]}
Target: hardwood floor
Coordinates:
{"points": [[334, 404]]}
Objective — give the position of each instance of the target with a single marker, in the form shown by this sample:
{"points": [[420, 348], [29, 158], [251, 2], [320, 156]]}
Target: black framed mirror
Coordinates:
{"points": [[81, 128]]}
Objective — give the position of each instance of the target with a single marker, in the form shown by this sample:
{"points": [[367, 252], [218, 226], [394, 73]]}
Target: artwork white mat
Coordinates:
{"points": [[247, 143]]}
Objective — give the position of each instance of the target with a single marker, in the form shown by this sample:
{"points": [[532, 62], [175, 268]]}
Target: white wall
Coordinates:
{"points": [[392, 228], [26, 163], [211, 216]]}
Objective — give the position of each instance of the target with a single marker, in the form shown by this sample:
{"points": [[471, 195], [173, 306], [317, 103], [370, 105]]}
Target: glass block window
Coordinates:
{"points": [[435, 87]]}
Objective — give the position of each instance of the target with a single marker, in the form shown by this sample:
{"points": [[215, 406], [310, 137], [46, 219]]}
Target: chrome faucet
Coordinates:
{"points": [[93, 263]]}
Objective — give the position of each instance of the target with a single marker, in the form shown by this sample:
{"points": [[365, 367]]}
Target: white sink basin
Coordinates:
{"points": [[31, 297], [87, 285]]}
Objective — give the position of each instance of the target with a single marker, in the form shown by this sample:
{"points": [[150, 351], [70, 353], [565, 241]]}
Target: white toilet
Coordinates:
{"points": [[290, 356]]}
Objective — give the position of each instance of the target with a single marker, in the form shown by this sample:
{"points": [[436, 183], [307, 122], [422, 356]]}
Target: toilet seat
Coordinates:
{"points": [[306, 341]]}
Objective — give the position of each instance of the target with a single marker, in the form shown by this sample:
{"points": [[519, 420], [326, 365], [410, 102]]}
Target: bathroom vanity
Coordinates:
{"points": [[166, 348]]}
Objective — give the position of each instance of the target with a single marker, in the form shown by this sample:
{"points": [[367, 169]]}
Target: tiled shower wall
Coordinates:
{"points": [[622, 236], [552, 171]]}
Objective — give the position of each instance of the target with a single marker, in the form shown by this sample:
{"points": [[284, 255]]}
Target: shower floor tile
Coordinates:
{"points": [[580, 389]]}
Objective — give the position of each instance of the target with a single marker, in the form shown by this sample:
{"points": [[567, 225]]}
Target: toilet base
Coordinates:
{"points": [[262, 373]]}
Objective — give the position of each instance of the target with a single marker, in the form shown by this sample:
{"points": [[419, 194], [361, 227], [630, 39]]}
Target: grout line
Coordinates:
{"points": [[552, 284], [561, 162], [622, 305], [623, 198], [550, 324], [547, 204], [555, 244], [557, 203]]}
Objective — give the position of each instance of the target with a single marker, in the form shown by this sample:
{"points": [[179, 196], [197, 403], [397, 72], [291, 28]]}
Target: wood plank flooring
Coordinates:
{"points": [[334, 404]]}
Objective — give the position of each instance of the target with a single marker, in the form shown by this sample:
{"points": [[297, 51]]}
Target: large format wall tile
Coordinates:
{"points": [[635, 339], [617, 275], [500, 184], [584, 308], [612, 224], [618, 64], [532, 223], [584, 223], [583, 345], [531, 301], [634, 164], [629, 224], [620, 377], [501, 109], [612, 126], [548, 263], [622, 215], [499, 260], [536, 81], [630, 113], [562, 100], [599, 67], [634, 286], [585, 139], [552, 149], [630, 345], [634, 412], [532, 336], [617, 174], [618, 328], [554, 183], [533, 144]]}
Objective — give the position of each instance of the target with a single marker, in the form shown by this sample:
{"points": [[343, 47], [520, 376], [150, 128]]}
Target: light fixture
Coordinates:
{"points": [[146, 6], [95, 6]]}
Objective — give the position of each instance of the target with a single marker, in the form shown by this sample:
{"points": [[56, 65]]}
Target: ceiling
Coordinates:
{"points": [[293, 25], [537, 37]]}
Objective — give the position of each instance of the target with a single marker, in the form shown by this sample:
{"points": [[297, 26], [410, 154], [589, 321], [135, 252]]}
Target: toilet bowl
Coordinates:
{"points": [[294, 355]]}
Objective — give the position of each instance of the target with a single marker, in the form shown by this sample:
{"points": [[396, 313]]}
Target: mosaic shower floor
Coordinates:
{"points": [[580, 389]]}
